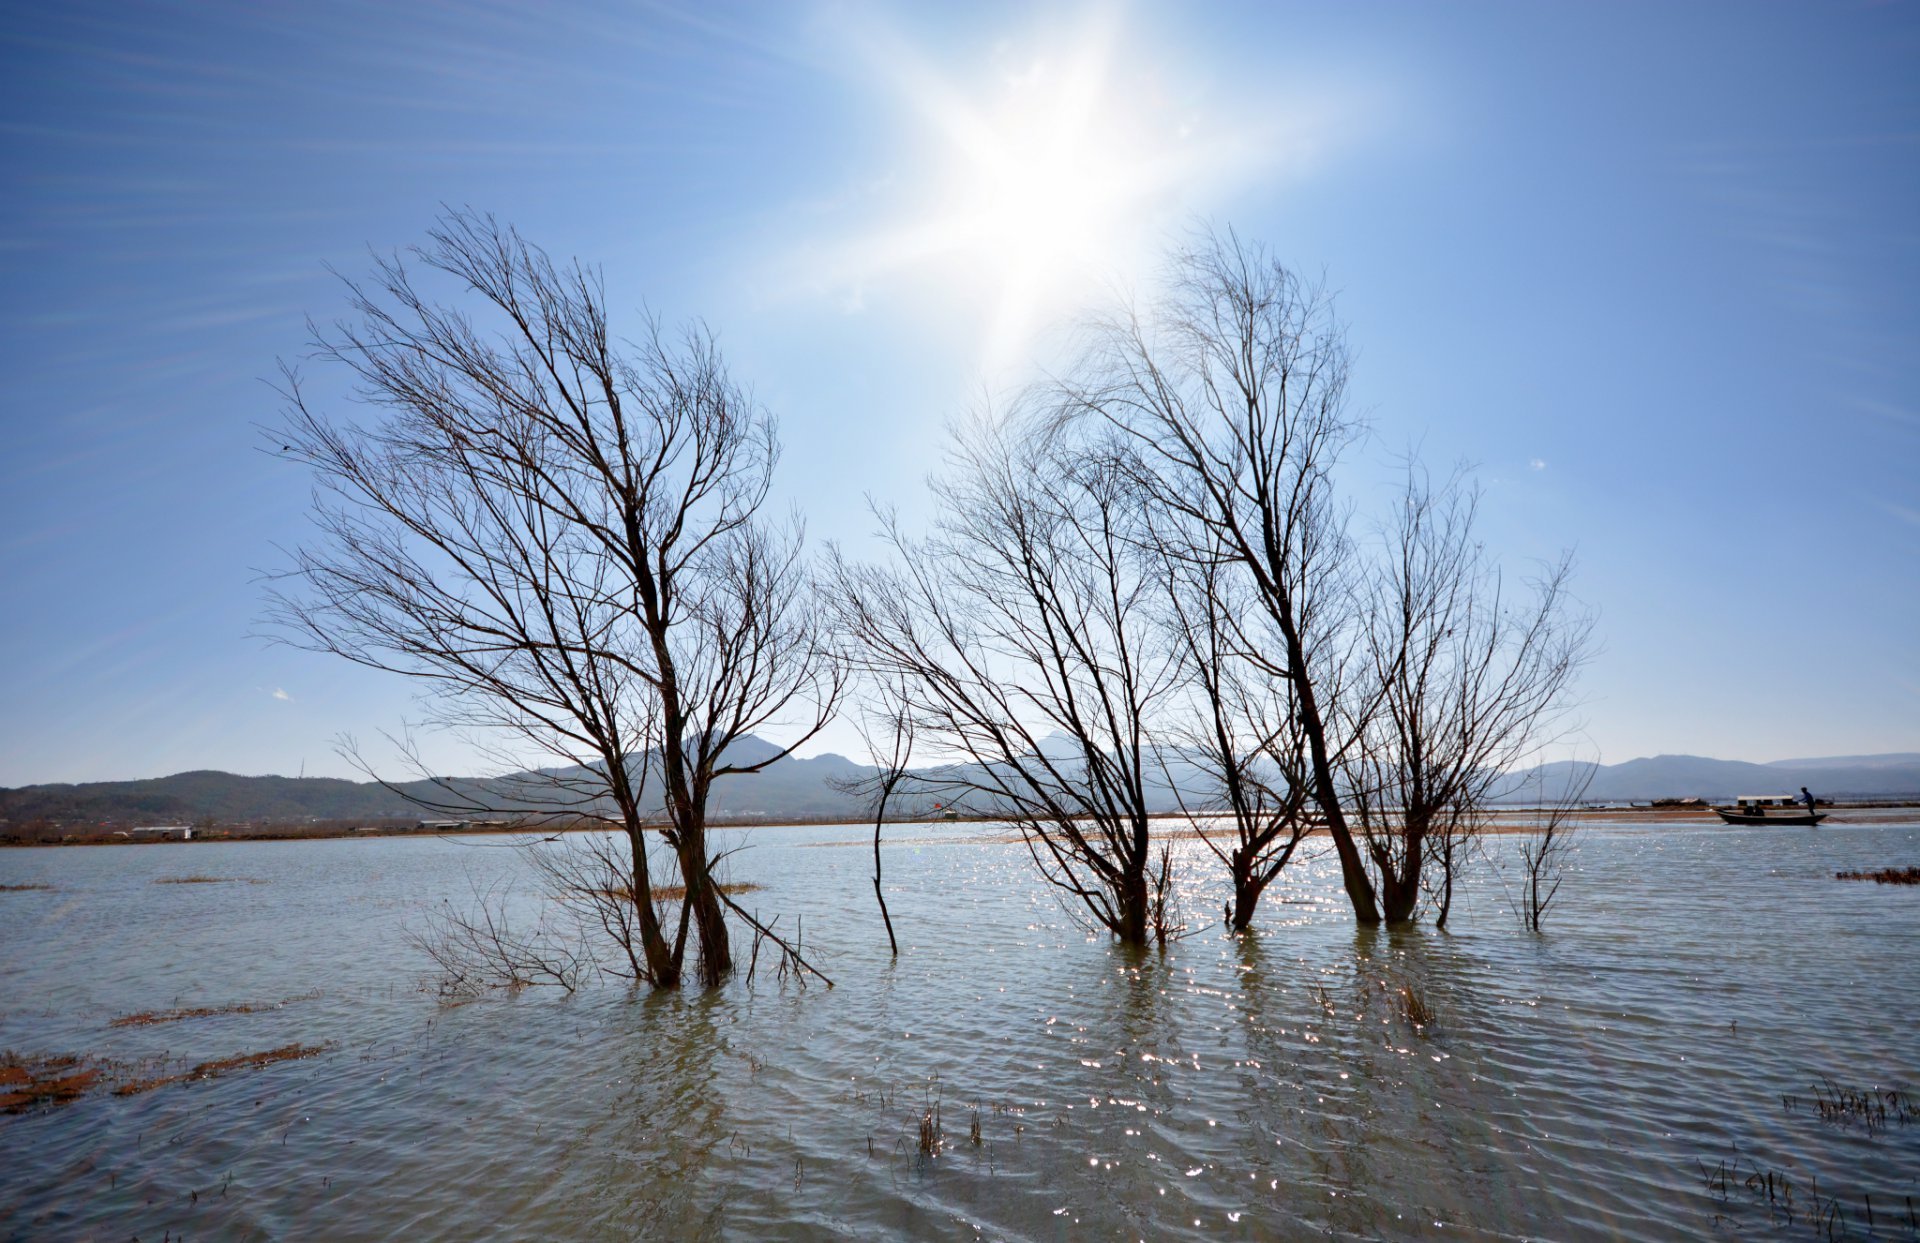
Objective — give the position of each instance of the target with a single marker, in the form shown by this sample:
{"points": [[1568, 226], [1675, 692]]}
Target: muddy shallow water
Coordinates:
{"points": [[1667, 1041]]}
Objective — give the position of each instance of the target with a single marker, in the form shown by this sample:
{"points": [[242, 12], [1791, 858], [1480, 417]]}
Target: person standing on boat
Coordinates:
{"points": [[1806, 798]]}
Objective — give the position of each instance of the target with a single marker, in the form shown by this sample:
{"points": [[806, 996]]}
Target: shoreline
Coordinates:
{"points": [[1500, 821]]}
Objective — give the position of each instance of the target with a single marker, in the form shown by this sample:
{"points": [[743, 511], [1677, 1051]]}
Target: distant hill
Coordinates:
{"points": [[187, 797], [805, 788], [789, 787], [1693, 776]]}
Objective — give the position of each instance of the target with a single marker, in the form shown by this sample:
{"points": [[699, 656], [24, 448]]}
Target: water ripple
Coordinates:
{"points": [[1583, 1084]]}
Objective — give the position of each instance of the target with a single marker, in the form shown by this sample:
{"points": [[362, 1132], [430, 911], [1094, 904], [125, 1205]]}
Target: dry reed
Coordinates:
{"points": [[931, 1138], [222, 1066], [29, 1082], [1885, 876], [1414, 1009], [1872, 1110]]}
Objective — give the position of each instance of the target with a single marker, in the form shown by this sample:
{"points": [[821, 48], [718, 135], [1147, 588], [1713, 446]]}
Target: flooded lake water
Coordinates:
{"points": [[1635, 1072]]}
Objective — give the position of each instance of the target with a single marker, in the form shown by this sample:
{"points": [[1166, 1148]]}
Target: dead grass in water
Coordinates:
{"points": [[1415, 1010], [153, 1018], [223, 1066], [932, 1137], [24, 888], [26, 1083], [207, 880], [1885, 876], [1872, 1109]]}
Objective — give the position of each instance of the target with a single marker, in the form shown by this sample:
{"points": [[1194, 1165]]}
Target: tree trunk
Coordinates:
{"points": [[1134, 903], [703, 901], [716, 954], [1400, 890], [1353, 869], [1400, 895], [660, 964], [881, 898], [1246, 894], [1448, 845], [687, 807]]}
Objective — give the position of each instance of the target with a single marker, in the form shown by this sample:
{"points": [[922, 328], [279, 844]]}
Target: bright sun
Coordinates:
{"points": [[1040, 182], [1020, 196], [1046, 180], [1036, 185]]}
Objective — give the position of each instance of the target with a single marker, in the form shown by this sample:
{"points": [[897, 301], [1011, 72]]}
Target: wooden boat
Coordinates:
{"points": [[1781, 810]]}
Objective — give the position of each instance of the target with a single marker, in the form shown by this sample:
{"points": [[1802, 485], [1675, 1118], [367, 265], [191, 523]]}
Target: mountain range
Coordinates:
{"points": [[1692, 776], [812, 788]]}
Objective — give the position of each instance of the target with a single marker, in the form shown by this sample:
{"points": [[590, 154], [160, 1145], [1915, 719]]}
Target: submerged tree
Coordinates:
{"points": [[887, 727], [1234, 751], [1544, 853], [1466, 679], [1375, 685], [1022, 638], [1228, 400], [558, 534]]}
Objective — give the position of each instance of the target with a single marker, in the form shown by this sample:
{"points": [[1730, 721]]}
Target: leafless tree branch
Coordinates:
{"points": [[557, 534]]}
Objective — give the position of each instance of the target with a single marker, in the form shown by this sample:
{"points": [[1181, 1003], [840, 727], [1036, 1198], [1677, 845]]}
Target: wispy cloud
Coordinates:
{"points": [[282, 695], [1536, 463]]}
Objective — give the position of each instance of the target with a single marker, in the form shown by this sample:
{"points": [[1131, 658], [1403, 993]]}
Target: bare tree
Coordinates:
{"points": [[1467, 679], [1229, 401], [1022, 636], [592, 878], [557, 534], [480, 947], [888, 729], [1236, 752], [1389, 691], [592, 875], [1544, 853]]}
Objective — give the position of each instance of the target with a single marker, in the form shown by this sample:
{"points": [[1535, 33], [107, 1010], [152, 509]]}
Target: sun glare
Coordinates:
{"points": [[1027, 185], [1045, 188], [1048, 176]]}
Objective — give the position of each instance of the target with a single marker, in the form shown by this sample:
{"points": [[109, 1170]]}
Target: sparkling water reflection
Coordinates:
{"points": [[1588, 1083]]}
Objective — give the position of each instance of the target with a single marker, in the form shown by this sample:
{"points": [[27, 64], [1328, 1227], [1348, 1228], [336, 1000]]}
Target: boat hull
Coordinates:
{"points": [[1789, 820]]}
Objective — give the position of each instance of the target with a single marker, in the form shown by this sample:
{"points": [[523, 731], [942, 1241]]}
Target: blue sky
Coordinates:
{"points": [[1654, 269]]}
